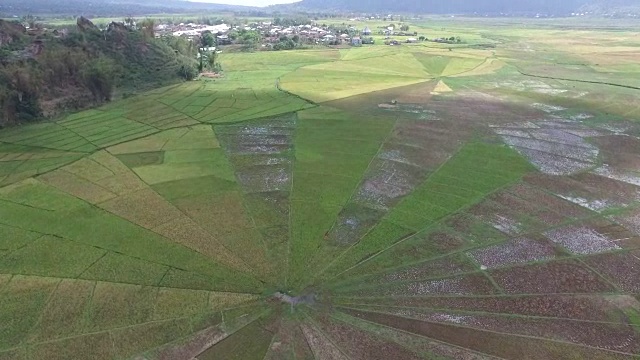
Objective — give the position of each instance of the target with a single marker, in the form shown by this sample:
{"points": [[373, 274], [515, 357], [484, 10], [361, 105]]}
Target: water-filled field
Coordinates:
{"points": [[423, 201]]}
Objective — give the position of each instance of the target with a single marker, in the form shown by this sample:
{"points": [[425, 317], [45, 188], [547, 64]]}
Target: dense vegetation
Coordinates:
{"points": [[44, 72]]}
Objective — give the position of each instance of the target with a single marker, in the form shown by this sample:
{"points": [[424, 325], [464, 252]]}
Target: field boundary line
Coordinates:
{"points": [[386, 215], [290, 201], [499, 314], [350, 199], [93, 263], [424, 261], [506, 333], [578, 80], [434, 223], [150, 188], [330, 339], [484, 355], [36, 324]]}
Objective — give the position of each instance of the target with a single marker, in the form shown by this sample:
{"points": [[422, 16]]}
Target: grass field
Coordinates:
{"points": [[424, 201]]}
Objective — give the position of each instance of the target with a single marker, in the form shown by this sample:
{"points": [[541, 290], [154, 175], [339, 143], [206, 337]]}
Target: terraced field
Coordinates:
{"points": [[370, 203]]}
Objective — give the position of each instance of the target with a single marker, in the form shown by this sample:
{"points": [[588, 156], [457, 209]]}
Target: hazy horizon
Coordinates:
{"points": [[260, 3]]}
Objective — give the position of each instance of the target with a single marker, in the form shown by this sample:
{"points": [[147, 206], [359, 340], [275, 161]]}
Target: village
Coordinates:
{"points": [[269, 35]]}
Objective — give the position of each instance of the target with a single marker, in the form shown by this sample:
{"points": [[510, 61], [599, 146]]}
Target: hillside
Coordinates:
{"points": [[45, 72]]}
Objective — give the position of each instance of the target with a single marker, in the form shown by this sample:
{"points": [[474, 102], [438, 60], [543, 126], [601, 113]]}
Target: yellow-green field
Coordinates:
{"points": [[477, 200]]}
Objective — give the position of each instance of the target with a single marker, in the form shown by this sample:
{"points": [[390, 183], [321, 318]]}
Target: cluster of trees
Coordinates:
{"points": [[450, 40], [291, 20], [287, 43], [207, 53], [49, 72], [249, 39]]}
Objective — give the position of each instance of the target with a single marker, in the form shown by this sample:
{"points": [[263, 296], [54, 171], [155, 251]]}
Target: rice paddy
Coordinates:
{"points": [[408, 202]]}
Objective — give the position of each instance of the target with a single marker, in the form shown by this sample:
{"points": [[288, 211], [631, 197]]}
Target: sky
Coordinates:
{"points": [[247, 2]]}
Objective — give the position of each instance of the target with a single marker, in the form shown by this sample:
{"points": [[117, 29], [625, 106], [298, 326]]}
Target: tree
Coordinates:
{"points": [[207, 39], [422, 38], [404, 27], [130, 22], [30, 20], [99, 76], [19, 95], [148, 26], [187, 70]]}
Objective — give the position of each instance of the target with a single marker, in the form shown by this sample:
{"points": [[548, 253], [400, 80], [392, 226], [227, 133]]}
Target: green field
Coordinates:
{"points": [[424, 201]]}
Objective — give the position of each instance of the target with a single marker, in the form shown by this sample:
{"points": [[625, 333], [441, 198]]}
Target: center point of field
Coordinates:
{"points": [[309, 298]]}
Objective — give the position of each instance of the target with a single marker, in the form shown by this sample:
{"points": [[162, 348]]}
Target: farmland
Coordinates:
{"points": [[460, 201]]}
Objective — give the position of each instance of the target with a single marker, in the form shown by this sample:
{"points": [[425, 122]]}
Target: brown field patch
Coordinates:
{"points": [[619, 337], [590, 307], [289, 340], [64, 314], [322, 348], [145, 208], [542, 199], [118, 305], [514, 251], [193, 346], [550, 278], [95, 346], [220, 214], [89, 169], [110, 162], [353, 222], [76, 186], [622, 269], [496, 344], [447, 266], [265, 178], [122, 184], [581, 240], [472, 284], [359, 344], [178, 303], [619, 151], [187, 232]]}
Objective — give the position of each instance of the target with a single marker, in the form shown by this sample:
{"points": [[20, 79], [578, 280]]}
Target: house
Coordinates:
{"points": [[356, 41], [366, 31], [328, 37], [412, 40], [223, 40]]}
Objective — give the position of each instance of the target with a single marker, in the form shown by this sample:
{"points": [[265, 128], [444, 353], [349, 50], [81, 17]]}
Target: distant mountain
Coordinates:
{"points": [[96, 8], [550, 7], [10, 8]]}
